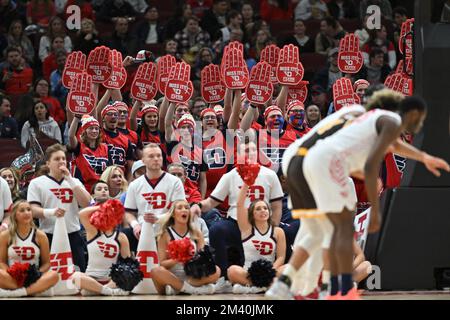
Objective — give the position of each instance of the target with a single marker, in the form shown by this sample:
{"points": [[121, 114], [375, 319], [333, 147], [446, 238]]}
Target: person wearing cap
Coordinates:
{"points": [[319, 98], [295, 118], [122, 127], [328, 75], [218, 109], [360, 87], [183, 146], [91, 154]]}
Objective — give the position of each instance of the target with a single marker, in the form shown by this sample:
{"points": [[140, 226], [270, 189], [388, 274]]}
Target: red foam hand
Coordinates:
{"points": [[118, 75], [350, 58], [99, 64], [298, 92], [248, 172], [144, 86], [395, 82], [271, 55], [400, 67], [179, 87], [81, 99], [212, 88], [165, 63], [343, 94], [409, 65], [75, 64], [289, 70], [405, 44], [181, 250], [408, 85], [231, 45], [235, 70], [259, 89]]}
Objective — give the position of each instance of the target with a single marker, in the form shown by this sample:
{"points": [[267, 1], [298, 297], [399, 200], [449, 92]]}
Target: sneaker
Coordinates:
{"points": [[334, 297], [240, 289], [279, 291], [119, 292], [206, 289], [223, 286], [351, 295], [170, 291], [312, 296], [21, 292]]}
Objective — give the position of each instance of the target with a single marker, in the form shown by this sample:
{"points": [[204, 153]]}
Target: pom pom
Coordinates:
{"points": [[108, 216], [126, 273], [261, 273], [201, 265], [33, 275], [19, 271], [248, 172], [181, 250]]}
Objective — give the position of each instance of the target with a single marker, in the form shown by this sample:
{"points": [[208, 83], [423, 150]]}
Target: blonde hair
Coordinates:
{"points": [[385, 99], [168, 220], [106, 176], [15, 189], [12, 228]]}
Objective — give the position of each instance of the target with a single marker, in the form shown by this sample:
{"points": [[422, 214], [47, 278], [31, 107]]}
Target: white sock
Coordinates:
{"points": [[326, 277], [311, 281], [106, 291], [299, 281], [289, 272], [21, 292]]}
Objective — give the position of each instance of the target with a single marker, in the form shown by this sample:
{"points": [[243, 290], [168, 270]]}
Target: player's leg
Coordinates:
{"points": [[46, 281]]}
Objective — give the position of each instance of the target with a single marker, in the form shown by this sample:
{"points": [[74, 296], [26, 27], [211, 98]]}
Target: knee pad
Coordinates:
{"points": [[327, 231], [309, 236]]}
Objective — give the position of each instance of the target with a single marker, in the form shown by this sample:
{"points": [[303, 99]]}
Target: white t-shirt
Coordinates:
{"points": [[5, 198], [144, 196], [266, 187], [49, 194]]}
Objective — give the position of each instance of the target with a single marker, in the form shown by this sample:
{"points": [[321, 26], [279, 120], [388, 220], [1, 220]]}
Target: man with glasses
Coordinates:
{"points": [[295, 118], [135, 140]]}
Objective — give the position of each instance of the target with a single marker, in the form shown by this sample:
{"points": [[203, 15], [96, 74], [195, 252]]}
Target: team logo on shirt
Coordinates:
{"points": [[108, 250], [97, 164], [60, 262], [191, 168], [63, 194], [255, 193], [157, 200], [117, 154], [25, 253], [215, 158], [264, 248], [145, 265], [400, 162]]}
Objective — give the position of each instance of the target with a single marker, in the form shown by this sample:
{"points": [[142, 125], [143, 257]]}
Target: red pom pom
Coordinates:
{"points": [[18, 271], [248, 172], [108, 216], [181, 250]]}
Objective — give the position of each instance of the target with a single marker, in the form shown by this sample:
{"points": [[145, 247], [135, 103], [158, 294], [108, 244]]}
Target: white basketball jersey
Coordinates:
{"points": [[178, 269], [103, 251], [266, 187], [351, 145], [144, 196], [259, 246], [49, 194], [344, 114], [24, 250]]}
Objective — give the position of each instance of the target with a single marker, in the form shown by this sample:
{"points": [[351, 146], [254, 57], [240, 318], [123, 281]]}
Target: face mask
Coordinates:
{"points": [[279, 119]]}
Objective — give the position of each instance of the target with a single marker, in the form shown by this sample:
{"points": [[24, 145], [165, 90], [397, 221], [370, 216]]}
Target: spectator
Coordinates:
{"points": [[115, 178], [8, 125], [328, 75], [191, 39], [300, 39], [11, 177], [252, 30], [330, 34], [378, 38], [363, 33], [178, 22], [234, 21], [56, 28], [313, 116], [87, 38], [248, 15], [40, 124], [16, 37], [16, 75], [215, 18], [8, 13], [150, 31], [400, 16], [320, 99], [87, 11], [140, 6], [113, 10], [275, 10], [311, 9], [122, 40], [171, 47], [199, 7], [39, 12], [24, 108], [376, 71], [56, 87], [262, 40], [41, 87], [197, 106], [204, 57], [342, 9], [49, 64], [385, 6]]}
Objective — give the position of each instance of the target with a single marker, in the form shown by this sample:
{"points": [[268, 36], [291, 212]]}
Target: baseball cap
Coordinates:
{"points": [[136, 166]]}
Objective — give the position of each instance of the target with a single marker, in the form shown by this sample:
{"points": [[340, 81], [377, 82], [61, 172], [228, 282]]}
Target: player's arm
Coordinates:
{"points": [[433, 164], [124, 246], [165, 261], [388, 130], [242, 212], [281, 248], [44, 246], [168, 123], [282, 98], [4, 239], [85, 219], [276, 207], [134, 111], [249, 116], [73, 142]]}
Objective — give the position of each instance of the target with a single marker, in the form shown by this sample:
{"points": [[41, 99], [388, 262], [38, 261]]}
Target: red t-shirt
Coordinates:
{"points": [[55, 108], [20, 81], [270, 12], [299, 133], [48, 65], [41, 12]]}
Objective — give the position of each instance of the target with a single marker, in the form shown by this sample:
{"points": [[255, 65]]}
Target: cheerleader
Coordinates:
{"points": [[260, 240], [24, 243], [176, 225]]}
